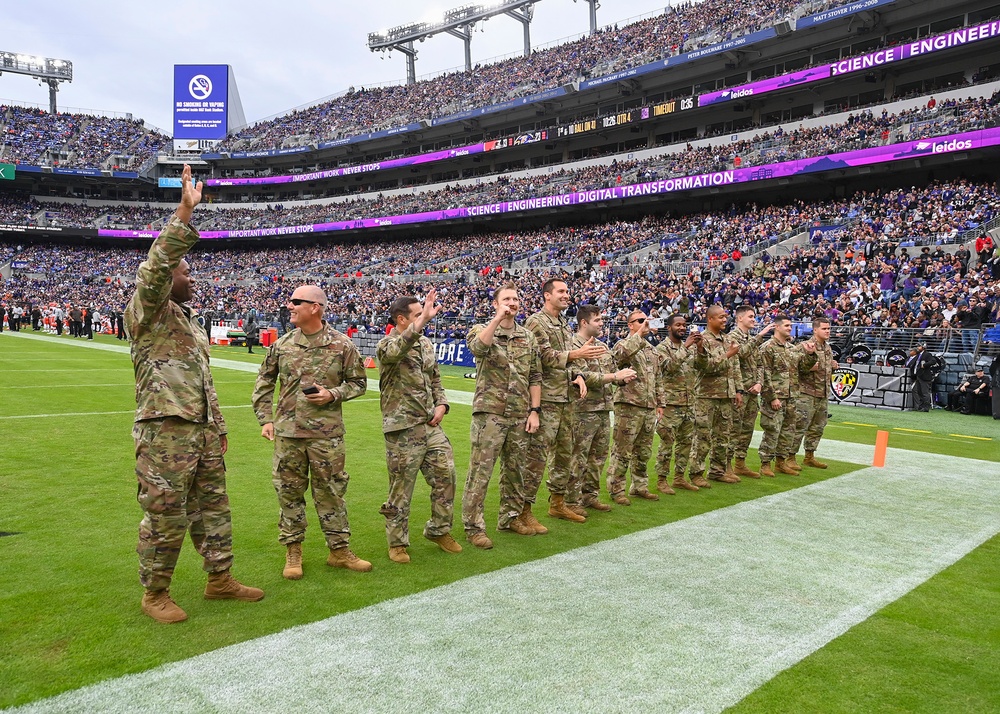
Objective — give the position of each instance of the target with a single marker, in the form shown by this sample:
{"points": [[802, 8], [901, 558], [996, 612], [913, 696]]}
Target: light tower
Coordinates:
{"points": [[45, 69], [457, 23]]}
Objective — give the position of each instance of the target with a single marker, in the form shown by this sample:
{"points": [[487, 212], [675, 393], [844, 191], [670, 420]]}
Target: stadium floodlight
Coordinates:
{"points": [[48, 70], [457, 23]]}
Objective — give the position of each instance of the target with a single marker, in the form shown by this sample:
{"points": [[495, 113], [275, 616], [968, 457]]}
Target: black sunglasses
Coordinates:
{"points": [[640, 320], [299, 301]]}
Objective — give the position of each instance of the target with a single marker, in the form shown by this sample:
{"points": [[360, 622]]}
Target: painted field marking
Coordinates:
{"points": [[855, 423], [825, 557], [966, 436], [911, 431]]}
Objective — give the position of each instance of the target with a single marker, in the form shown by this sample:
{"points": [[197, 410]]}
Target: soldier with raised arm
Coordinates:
{"points": [[505, 410], [319, 369], [718, 374], [745, 416], [814, 391], [413, 404], [180, 435], [675, 410], [780, 363], [635, 413]]}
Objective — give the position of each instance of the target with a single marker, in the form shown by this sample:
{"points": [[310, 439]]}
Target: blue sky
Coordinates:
{"points": [[123, 52]]}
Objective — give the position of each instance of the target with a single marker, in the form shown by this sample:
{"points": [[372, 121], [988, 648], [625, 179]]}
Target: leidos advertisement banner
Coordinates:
{"points": [[862, 157], [200, 101]]}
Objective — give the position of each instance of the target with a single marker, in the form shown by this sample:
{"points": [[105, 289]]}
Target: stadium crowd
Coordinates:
{"points": [[36, 137], [882, 264], [682, 28], [863, 130]]}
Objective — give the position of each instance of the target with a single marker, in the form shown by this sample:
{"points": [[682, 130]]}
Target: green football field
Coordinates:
{"points": [[69, 594]]}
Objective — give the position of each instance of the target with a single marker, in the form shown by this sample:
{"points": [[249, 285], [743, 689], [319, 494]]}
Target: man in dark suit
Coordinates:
{"points": [[922, 367]]}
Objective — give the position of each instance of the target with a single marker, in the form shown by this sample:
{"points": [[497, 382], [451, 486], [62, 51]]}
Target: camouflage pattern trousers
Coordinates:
{"points": [[744, 419], [779, 430], [631, 447], [181, 487], [495, 437], [592, 436], [423, 449], [712, 424], [810, 421], [296, 461], [552, 444], [676, 432]]}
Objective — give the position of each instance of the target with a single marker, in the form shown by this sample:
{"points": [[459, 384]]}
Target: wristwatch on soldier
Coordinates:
{"points": [[537, 410]]}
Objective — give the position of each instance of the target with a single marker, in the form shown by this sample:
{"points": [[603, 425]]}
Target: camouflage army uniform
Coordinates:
{"points": [[780, 363], [591, 422], [715, 389], [814, 390], [309, 438], [504, 372], [745, 417], [676, 427], [410, 389], [553, 442], [635, 415], [179, 466]]}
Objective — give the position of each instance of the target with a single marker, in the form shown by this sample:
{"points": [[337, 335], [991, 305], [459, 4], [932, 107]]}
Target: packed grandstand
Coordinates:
{"points": [[868, 196]]}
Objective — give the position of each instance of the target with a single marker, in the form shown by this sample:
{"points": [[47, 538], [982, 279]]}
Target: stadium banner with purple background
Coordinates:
{"points": [[860, 63], [839, 12], [201, 103], [849, 159]]}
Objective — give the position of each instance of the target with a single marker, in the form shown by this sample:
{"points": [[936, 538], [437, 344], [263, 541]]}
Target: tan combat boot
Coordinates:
{"points": [[446, 543], [791, 463], [293, 562], [810, 460], [558, 509], [700, 481], [663, 486], [577, 508], [223, 586], [731, 474], [595, 503], [161, 607], [479, 540], [520, 527], [644, 493], [344, 558], [398, 554], [621, 499], [528, 517], [740, 469], [782, 467], [681, 482], [765, 469]]}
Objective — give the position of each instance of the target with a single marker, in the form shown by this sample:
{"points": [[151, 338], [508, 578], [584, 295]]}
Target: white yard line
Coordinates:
{"points": [[455, 397], [687, 617]]}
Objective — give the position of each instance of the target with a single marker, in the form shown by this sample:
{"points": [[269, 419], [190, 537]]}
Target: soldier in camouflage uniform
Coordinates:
{"points": [[505, 410], [745, 416], [716, 393], [675, 414], [413, 404], [319, 369], [553, 442], [780, 362], [635, 413], [180, 435], [592, 414], [814, 390]]}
